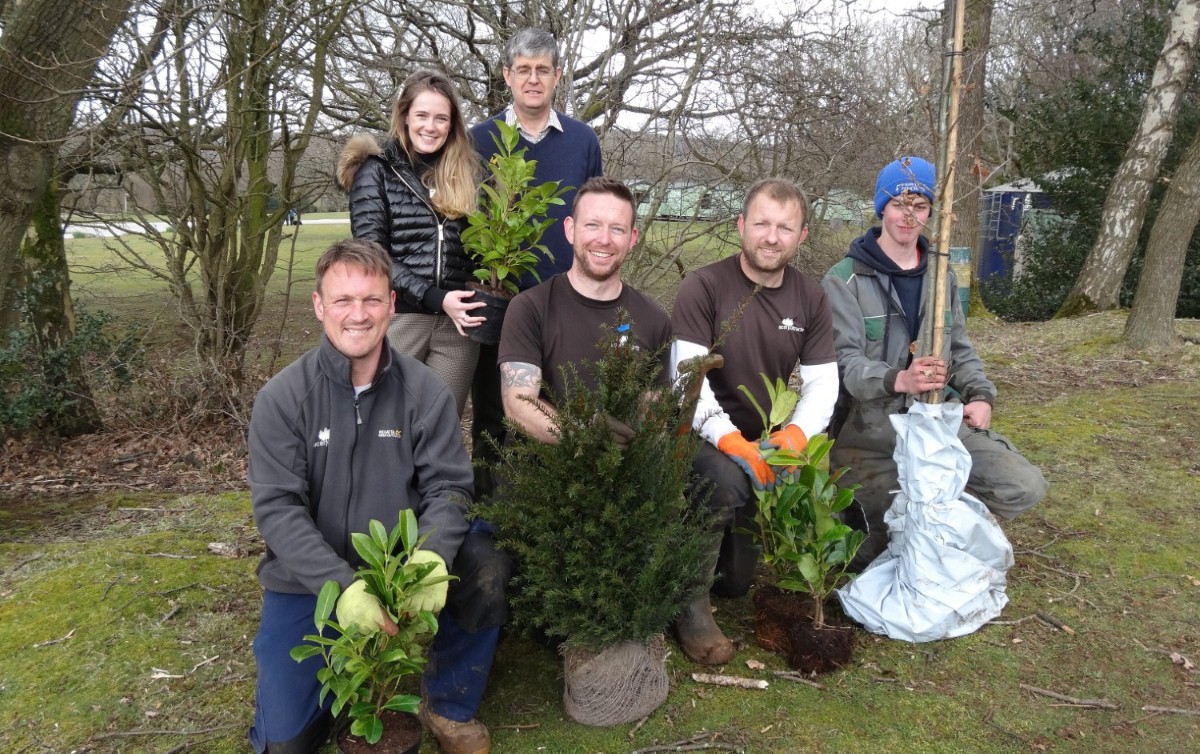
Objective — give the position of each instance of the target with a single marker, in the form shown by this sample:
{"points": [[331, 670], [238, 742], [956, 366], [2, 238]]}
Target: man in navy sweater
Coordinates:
{"points": [[567, 151]]}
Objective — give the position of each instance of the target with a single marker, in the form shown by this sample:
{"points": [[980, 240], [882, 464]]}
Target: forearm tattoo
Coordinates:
{"points": [[518, 374]]}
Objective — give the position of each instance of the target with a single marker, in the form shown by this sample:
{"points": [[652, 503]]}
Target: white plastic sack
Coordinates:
{"points": [[943, 574]]}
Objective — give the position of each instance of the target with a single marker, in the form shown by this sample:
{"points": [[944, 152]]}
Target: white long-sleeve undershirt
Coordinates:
{"points": [[818, 395]]}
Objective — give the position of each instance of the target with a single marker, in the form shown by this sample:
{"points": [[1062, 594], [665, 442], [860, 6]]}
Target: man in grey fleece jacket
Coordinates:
{"points": [[354, 431]]}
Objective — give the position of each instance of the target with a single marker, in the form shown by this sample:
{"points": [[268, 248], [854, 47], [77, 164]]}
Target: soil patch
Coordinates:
{"points": [[783, 624], [401, 735]]}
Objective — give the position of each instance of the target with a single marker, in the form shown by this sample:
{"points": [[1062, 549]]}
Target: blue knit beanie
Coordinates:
{"points": [[907, 174]]}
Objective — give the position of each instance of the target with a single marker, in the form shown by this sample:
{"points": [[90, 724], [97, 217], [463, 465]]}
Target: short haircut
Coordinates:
{"points": [[601, 185], [531, 43], [361, 253], [782, 191]]}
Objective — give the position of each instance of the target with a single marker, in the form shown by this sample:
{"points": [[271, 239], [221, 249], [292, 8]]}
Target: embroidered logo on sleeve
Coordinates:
{"points": [[789, 324], [322, 438]]}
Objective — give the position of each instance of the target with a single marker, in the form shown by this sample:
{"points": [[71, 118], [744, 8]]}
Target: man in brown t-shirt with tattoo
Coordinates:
{"points": [[561, 320], [785, 322]]}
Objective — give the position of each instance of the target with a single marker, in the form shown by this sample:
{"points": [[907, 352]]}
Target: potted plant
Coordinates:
{"points": [[504, 235], [805, 544], [608, 549], [364, 672]]}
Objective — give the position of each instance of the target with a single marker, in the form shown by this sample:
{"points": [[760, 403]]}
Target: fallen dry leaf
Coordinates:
{"points": [[1184, 662]]}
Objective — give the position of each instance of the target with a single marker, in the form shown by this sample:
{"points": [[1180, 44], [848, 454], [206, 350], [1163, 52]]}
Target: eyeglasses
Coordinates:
{"points": [[525, 72]]}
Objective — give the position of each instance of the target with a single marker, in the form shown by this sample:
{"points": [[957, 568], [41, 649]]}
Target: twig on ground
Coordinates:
{"points": [[695, 743], [126, 458], [788, 675], [108, 587], [26, 560], [1074, 701], [637, 727], [134, 733], [204, 662], [518, 726], [170, 555], [170, 614], [1011, 622], [1171, 710], [155, 510], [59, 640], [1038, 553], [1054, 622], [1153, 576], [160, 674], [729, 680]]}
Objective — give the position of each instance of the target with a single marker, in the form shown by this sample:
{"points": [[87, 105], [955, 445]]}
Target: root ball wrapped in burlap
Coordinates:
{"points": [[620, 684]]}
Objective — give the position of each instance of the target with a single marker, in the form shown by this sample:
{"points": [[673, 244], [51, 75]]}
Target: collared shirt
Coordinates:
{"points": [[510, 117]]}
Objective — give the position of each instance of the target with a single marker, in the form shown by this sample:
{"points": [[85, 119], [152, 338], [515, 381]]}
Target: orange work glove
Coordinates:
{"points": [[745, 454], [792, 439]]}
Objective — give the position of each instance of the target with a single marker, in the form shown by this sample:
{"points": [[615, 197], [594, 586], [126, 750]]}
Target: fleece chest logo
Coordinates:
{"points": [[322, 438], [789, 324], [393, 434]]}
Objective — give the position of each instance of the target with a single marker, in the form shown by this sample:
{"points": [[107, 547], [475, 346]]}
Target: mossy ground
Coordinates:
{"points": [[125, 634]]}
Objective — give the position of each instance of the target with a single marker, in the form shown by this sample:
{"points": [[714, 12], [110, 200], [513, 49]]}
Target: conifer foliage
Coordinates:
{"points": [[607, 546]]}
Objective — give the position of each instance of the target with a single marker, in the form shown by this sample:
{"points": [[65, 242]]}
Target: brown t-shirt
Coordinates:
{"points": [[779, 328], [552, 324]]}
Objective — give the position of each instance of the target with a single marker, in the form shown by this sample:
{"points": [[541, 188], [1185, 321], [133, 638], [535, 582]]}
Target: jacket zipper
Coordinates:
{"points": [[441, 224], [349, 543]]}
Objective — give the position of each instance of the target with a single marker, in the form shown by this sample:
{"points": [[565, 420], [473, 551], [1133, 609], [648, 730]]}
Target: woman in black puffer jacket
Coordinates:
{"points": [[412, 197]]}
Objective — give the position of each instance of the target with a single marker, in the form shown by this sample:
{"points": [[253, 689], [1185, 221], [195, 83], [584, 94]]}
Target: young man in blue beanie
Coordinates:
{"points": [[877, 297]]}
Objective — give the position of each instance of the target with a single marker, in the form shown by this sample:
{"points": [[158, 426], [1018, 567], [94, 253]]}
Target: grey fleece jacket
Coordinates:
{"points": [[325, 462], [867, 319]]}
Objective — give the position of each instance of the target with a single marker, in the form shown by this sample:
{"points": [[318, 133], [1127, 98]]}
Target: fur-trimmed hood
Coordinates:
{"points": [[354, 154]]}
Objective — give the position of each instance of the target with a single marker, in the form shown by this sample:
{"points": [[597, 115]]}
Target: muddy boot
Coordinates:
{"points": [[699, 635], [454, 737]]}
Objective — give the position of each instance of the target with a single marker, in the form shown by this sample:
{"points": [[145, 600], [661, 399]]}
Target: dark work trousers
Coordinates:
{"points": [[487, 419], [724, 487], [288, 716]]}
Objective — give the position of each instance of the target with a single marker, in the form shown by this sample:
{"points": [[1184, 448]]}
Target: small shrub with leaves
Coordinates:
{"points": [[40, 384], [364, 671], [804, 542], [607, 545], [504, 235]]}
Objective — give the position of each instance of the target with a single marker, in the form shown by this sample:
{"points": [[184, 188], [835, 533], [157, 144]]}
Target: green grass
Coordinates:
{"points": [[1111, 553]]}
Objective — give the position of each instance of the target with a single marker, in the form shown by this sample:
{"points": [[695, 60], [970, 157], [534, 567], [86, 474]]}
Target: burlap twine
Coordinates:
{"points": [[620, 684]]}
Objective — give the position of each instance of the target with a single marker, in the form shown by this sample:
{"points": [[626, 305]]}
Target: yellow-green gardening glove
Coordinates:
{"points": [[358, 608], [431, 597]]}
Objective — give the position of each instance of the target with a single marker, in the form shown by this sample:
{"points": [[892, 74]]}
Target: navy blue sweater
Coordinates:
{"points": [[570, 156]]}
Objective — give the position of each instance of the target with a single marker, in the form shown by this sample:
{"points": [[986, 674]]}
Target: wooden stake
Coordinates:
{"points": [[729, 680]]}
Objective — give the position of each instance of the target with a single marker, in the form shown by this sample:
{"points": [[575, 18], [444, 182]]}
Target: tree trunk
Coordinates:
{"points": [[1151, 322], [1099, 284], [48, 52], [972, 167], [52, 321]]}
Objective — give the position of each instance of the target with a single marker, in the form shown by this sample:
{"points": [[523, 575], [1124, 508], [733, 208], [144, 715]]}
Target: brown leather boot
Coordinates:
{"points": [[699, 635], [454, 737]]}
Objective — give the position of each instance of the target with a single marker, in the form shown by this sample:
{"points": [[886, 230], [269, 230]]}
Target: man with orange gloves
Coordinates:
{"points": [[765, 318]]}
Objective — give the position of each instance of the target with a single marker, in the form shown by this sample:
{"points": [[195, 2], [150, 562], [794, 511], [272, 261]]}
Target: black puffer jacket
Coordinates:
{"points": [[390, 205]]}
